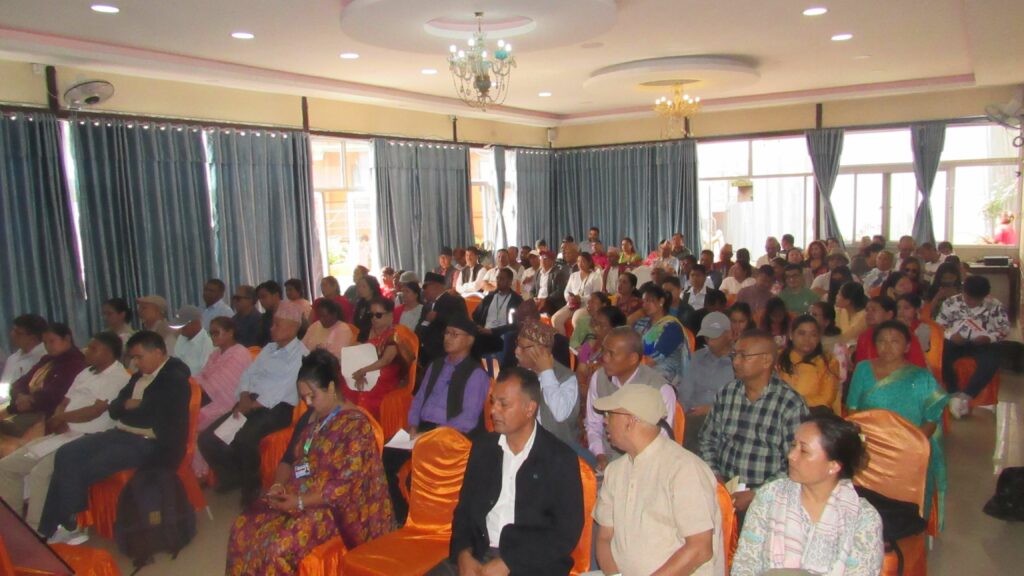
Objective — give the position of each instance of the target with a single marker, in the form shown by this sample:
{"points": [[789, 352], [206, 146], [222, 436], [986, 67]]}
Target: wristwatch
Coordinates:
{"points": [[301, 507]]}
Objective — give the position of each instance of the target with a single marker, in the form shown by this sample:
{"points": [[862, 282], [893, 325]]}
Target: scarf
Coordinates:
{"points": [[820, 548]]}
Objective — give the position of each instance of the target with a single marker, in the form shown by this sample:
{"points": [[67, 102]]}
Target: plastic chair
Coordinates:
{"points": [[581, 554], [273, 446], [103, 495], [730, 526], [471, 303], [936, 342], [691, 340], [438, 465], [255, 351], [87, 561], [989, 395], [679, 424], [355, 332], [488, 423], [394, 407], [897, 467]]}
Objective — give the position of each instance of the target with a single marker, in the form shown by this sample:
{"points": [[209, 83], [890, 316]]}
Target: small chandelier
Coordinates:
{"points": [[676, 110], [481, 78]]}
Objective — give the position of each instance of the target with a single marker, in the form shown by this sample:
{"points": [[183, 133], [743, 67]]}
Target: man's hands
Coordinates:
{"points": [[23, 402], [540, 358], [741, 500], [469, 566]]}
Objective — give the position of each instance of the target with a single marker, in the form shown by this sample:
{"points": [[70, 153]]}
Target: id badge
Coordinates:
{"points": [[302, 470]]}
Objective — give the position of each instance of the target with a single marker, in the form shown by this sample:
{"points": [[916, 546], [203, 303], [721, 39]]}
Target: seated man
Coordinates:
{"points": [[681, 310], [153, 315], [213, 298], [489, 281], [248, 321], [439, 308], [760, 293], [550, 282], [772, 250], [621, 363], [194, 345], [446, 268], [694, 295], [151, 414], [83, 411], [795, 294], [528, 312], [493, 317], [269, 294], [27, 341], [709, 371], [820, 283], [266, 399], [470, 278], [666, 261], [657, 510], [749, 430], [520, 510], [884, 264], [974, 323]]}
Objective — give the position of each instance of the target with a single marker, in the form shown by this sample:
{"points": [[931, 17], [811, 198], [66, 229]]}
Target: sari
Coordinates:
{"points": [[665, 344], [913, 393], [389, 378]]}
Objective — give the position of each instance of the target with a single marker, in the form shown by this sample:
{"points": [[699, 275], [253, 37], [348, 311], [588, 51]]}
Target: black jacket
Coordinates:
{"points": [[548, 510], [164, 408], [480, 314], [431, 335]]}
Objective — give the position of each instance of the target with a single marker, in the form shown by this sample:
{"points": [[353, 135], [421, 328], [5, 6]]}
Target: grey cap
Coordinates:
{"points": [[714, 325], [185, 315]]}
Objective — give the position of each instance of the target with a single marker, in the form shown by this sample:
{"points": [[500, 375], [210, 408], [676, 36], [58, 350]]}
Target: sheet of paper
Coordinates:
{"points": [[401, 441], [49, 444], [734, 485], [227, 430], [355, 357]]}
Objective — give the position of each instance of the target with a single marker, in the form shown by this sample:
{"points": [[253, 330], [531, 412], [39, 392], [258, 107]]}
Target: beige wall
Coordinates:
{"points": [[21, 85]]}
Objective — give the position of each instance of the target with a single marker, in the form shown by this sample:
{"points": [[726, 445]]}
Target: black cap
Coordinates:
{"points": [[463, 323], [433, 277]]}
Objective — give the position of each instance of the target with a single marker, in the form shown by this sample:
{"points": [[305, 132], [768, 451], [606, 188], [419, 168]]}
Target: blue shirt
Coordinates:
{"points": [[218, 309], [272, 374], [435, 408], [704, 378]]}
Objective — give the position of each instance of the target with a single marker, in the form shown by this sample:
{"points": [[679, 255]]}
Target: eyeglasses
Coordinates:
{"points": [[744, 355], [378, 315], [610, 412]]}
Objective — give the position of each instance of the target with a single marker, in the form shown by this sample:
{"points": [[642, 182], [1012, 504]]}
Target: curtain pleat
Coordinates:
{"points": [[825, 146], [500, 236], [927, 140], [534, 196]]}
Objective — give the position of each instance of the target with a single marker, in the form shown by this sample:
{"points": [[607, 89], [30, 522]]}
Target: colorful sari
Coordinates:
{"points": [[346, 469], [913, 393], [665, 344]]}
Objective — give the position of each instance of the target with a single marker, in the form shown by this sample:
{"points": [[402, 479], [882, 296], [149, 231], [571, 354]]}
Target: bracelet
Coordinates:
{"points": [[301, 507]]}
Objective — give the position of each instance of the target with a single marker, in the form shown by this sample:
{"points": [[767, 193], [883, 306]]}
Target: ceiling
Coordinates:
{"points": [[897, 46]]}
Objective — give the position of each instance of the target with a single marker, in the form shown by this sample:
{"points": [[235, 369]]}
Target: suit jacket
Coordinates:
{"points": [[548, 508], [164, 408], [480, 314], [431, 335], [557, 281]]}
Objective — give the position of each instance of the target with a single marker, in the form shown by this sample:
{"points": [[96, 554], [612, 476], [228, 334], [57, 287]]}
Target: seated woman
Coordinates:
{"points": [[825, 314], [329, 483], [367, 288], [36, 395], [816, 261], [412, 306], [882, 309], [329, 331], [908, 311], [581, 332], [295, 292], [664, 338], [850, 302], [117, 317], [219, 379], [808, 369], [890, 382], [628, 256], [581, 285], [391, 363], [589, 356], [814, 521], [741, 319], [331, 290], [776, 321], [626, 297], [740, 276], [947, 283]]}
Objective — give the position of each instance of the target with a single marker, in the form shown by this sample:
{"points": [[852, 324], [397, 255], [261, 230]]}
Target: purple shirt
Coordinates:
{"points": [[435, 408]]}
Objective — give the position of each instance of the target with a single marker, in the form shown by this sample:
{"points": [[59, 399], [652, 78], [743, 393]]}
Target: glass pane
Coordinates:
{"points": [[328, 171], [714, 200], [775, 208], [357, 163], [718, 159], [888, 147], [978, 143], [810, 205], [477, 199], [982, 193], [781, 156], [903, 199], [869, 205], [842, 205]]}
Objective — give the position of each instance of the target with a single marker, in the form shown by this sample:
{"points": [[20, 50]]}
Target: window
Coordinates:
{"points": [[345, 205], [484, 199]]}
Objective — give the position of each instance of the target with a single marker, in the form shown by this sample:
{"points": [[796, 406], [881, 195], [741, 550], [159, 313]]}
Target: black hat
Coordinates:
{"points": [[463, 323], [433, 277]]}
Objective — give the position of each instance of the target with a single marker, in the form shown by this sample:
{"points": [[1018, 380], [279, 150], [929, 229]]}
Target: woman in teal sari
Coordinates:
{"points": [[664, 337], [889, 382]]}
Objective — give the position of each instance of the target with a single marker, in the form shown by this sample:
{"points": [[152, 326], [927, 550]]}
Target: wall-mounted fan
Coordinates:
{"points": [[1010, 115], [87, 94]]}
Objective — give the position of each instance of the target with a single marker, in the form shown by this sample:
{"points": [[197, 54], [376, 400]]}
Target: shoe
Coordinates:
{"points": [[69, 537], [959, 406]]}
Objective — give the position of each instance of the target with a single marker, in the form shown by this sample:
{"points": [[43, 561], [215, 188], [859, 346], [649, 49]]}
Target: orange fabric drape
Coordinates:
{"points": [[989, 395], [488, 422], [471, 303], [581, 554], [679, 424], [6, 567], [325, 559], [273, 446], [86, 561], [730, 529], [394, 408]]}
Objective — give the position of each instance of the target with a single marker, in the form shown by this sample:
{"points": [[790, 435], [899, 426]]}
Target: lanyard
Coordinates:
{"points": [[309, 441]]}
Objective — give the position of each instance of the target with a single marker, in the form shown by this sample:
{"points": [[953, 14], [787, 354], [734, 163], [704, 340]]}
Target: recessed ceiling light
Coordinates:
{"points": [[348, 56], [862, 57], [544, 94], [842, 37], [105, 9], [429, 71], [815, 11], [243, 35]]}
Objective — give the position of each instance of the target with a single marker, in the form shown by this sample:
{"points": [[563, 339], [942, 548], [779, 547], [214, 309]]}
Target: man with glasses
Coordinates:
{"points": [[797, 297], [750, 428], [247, 318], [710, 370]]}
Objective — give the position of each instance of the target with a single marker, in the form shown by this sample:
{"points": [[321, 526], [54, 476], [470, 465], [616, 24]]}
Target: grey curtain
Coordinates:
{"points": [[825, 147], [145, 212], [422, 201], [36, 229], [263, 197], [500, 237], [928, 140], [535, 196]]}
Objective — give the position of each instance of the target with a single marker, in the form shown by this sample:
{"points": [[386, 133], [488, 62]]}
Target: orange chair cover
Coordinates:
{"points": [[255, 351], [394, 407], [679, 424], [488, 422], [936, 342], [897, 454], [325, 559], [471, 303], [438, 466], [915, 557], [103, 495], [989, 396], [581, 554], [6, 567], [355, 332], [273, 445], [730, 529], [86, 561], [691, 340]]}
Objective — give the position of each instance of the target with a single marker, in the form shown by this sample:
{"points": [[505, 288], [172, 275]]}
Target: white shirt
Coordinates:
{"points": [[542, 277], [218, 309], [491, 275], [17, 365], [504, 511], [733, 286], [90, 386], [696, 299], [560, 397], [475, 283], [822, 282], [497, 312], [194, 352], [584, 288], [140, 388]]}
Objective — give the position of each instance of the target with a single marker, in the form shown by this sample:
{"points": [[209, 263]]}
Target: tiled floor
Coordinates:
{"points": [[972, 544]]}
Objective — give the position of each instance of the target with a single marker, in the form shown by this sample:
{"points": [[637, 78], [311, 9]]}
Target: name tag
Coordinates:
{"points": [[302, 470], [425, 323]]}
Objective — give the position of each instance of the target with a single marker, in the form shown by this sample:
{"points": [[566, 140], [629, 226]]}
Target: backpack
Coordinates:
{"points": [[153, 515], [1008, 501], [899, 520]]}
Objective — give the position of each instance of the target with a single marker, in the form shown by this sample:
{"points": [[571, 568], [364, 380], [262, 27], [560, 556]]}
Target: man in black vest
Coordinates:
{"points": [[439, 307], [521, 506], [492, 316], [469, 279], [452, 393]]}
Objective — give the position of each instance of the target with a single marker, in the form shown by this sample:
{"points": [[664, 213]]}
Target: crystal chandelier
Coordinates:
{"points": [[676, 110], [481, 78]]}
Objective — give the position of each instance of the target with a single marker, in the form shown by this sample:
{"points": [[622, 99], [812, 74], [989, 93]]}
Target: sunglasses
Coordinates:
{"points": [[378, 315]]}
